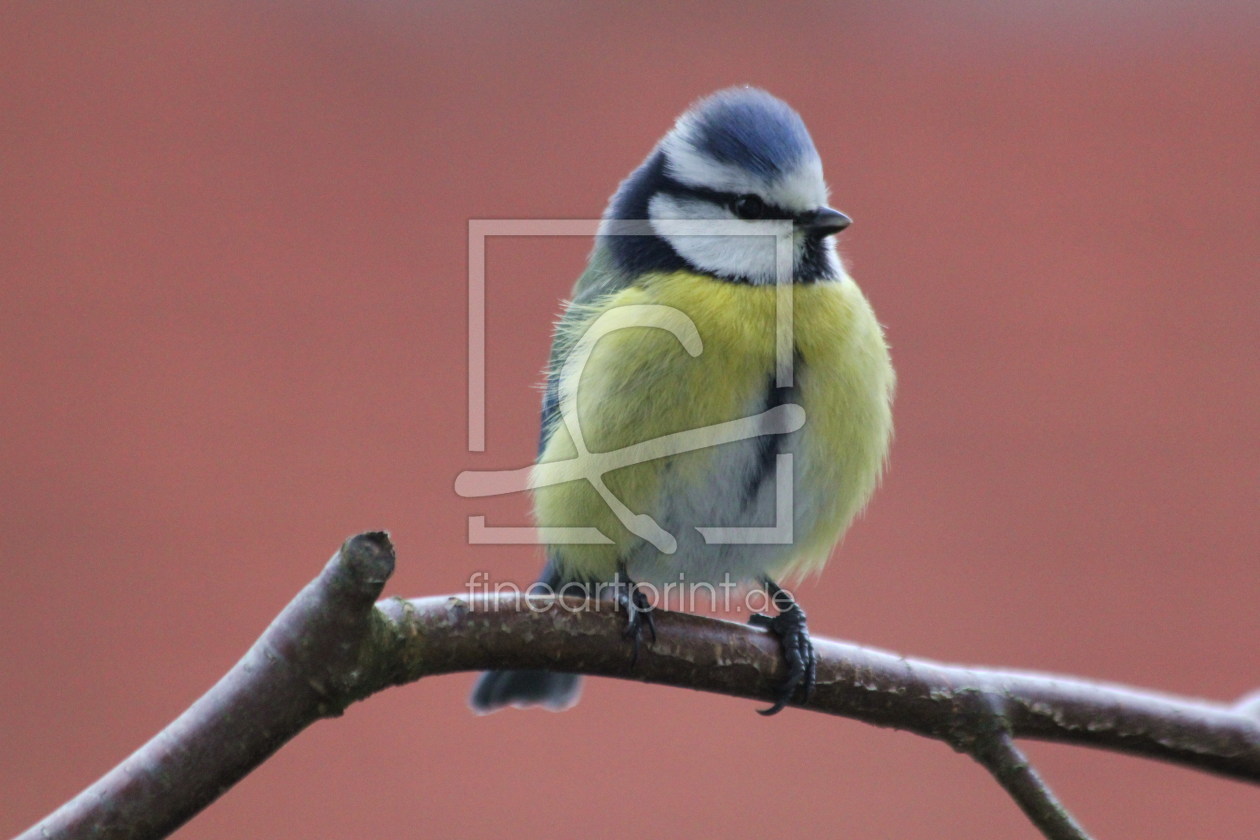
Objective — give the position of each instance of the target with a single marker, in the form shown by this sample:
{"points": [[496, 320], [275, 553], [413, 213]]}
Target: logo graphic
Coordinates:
{"points": [[593, 466]]}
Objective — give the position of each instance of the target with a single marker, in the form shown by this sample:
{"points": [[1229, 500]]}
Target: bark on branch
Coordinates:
{"points": [[331, 647]]}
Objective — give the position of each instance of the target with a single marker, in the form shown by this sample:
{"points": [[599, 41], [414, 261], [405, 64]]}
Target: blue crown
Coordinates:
{"points": [[748, 128]]}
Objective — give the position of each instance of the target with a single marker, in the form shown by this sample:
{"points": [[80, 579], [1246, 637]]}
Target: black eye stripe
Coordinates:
{"points": [[724, 199]]}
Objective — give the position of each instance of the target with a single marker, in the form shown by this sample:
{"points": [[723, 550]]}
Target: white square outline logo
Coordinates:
{"points": [[782, 419]]}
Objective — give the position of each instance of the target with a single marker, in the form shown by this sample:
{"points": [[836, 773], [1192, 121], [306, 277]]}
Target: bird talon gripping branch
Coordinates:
{"points": [[798, 651]]}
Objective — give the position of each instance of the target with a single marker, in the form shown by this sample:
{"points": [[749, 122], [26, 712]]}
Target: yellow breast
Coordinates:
{"points": [[640, 383]]}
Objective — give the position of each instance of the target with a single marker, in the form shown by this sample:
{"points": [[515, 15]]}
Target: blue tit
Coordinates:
{"points": [[734, 449]]}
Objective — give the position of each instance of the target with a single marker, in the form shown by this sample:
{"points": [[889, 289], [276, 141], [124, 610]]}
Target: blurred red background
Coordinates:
{"points": [[233, 331]]}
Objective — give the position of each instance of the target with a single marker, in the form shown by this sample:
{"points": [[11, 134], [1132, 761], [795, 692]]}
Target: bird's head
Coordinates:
{"points": [[739, 155]]}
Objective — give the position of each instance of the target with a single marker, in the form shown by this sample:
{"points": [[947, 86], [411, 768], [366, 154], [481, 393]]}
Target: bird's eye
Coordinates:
{"points": [[749, 207]]}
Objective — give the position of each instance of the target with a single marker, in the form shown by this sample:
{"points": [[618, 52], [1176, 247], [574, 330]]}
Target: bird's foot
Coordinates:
{"points": [[638, 614], [798, 650]]}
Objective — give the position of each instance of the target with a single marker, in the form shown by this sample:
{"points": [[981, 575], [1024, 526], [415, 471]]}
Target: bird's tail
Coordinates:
{"points": [[549, 689]]}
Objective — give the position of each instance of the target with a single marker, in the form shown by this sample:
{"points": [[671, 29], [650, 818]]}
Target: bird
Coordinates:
{"points": [[672, 362]]}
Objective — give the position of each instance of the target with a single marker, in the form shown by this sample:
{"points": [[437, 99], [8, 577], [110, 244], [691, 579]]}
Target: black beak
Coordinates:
{"points": [[823, 222]]}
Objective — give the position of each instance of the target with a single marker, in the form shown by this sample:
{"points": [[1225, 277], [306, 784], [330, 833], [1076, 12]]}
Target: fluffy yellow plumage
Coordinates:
{"points": [[640, 383]]}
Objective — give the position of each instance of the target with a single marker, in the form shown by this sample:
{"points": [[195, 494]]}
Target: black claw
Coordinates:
{"points": [[798, 650], [638, 614]]}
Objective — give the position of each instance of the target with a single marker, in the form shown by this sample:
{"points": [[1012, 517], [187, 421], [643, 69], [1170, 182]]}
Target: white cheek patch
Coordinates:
{"points": [[751, 258]]}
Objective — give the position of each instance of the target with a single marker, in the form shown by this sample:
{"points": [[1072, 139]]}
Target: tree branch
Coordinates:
{"points": [[302, 668], [1010, 767], [446, 634], [330, 647], [989, 742]]}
